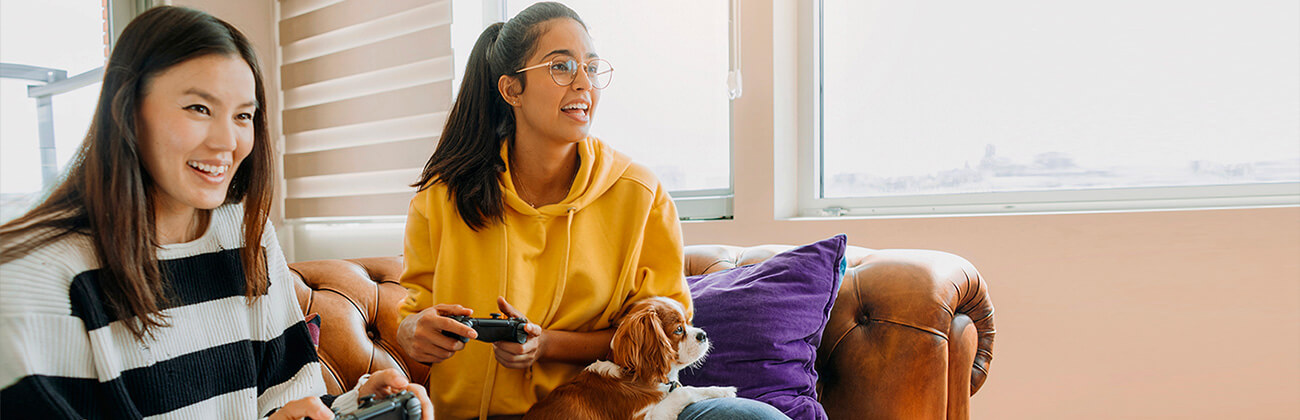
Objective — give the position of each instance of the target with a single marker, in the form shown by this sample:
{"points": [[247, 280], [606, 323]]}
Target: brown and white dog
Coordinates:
{"points": [[639, 381]]}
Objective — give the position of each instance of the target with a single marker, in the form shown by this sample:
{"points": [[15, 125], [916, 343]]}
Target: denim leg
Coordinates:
{"points": [[729, 409]]}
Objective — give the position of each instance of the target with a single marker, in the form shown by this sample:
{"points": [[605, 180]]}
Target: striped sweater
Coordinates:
{"points": [[63, 355]]}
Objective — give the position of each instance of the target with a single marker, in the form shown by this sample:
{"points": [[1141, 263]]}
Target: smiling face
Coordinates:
{"points": [[543, 108], [195, 128]]}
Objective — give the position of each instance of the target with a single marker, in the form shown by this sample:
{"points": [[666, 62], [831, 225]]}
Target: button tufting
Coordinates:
{"points": [[862, 318]]}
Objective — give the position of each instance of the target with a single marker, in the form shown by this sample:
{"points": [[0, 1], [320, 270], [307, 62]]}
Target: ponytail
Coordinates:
{"points": [[468, 156]]}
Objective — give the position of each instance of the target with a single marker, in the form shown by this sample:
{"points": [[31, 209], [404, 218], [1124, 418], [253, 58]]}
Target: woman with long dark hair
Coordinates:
{"points": [[149, 283], [520, 211]]}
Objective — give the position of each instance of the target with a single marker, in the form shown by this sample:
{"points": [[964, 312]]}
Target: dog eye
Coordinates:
{"points": [[679, 331]]}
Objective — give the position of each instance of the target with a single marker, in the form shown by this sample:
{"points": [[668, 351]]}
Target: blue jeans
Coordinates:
{"points": [[730, 408]]}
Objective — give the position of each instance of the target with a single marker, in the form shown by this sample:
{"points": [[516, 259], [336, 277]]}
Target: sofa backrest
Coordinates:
{"points": [[910, 334]]}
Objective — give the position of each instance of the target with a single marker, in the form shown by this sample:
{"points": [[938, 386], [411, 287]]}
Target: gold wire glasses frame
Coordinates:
{"points": [[565, 70]]}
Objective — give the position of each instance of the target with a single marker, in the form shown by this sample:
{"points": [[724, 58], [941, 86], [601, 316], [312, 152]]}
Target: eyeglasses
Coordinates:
{"points": [[565, 70]]}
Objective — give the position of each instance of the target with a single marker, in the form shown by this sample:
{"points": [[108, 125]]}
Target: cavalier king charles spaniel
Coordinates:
{"points": [[639, 381]]}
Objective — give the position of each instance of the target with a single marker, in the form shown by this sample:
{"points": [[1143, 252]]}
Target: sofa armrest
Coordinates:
{"points": [[910, 336], [358, 301]]}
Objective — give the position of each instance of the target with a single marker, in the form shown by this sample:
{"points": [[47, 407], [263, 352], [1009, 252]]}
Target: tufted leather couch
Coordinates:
{"points": [[910, 335]]}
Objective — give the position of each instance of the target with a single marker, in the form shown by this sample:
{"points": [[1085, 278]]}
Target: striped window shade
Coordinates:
{"points": [[366, 88]]}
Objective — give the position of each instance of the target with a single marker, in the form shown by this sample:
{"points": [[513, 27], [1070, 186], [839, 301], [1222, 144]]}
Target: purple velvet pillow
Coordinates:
{"points": [[765, 322]]}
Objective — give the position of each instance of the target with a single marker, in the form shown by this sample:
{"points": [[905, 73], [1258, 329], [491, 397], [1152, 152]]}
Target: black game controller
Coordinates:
{"points": [[400, 406], [492, 329]]}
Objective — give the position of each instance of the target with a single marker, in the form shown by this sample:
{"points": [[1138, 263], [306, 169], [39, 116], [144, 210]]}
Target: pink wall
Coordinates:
{"points": [[1171, 314], [1185, 314]]}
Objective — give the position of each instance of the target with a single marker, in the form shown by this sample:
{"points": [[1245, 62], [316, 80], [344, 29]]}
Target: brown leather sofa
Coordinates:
{"points": [[910, 335]]}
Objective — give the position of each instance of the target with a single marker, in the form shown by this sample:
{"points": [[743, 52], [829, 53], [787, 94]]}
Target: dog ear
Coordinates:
{"points": [[624, 349], [640, 345]]}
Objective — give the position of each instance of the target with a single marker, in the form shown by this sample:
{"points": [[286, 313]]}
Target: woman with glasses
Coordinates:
{"points": [[520, 211]]}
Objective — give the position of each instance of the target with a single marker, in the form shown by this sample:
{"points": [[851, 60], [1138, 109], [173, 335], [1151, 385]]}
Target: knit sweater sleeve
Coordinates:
{"points": [[288, 367], [45, 349], [308, 381]]}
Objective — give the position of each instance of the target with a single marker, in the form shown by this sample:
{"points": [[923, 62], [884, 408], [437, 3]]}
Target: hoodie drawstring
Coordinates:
{"points": [[489, 379], [564, 272]]}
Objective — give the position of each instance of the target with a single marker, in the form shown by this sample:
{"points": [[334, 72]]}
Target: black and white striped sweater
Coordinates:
{"points": [[62, 355]]}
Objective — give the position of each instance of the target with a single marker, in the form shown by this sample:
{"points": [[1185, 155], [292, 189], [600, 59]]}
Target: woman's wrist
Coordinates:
{"points": [[579, 348], [351, 400], [405, 332], [543, 349], [361, 383]]}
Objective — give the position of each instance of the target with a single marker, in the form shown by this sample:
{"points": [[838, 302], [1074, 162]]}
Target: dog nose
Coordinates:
{"points": [[701, 336]]}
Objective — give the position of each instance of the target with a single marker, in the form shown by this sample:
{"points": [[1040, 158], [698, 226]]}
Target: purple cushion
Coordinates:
{"points": [[313, 328], [766, 321]]}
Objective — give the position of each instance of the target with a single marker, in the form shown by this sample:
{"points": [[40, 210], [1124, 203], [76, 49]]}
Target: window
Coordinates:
{"points": [[51, 61], [365, 88], [668, 105], [1019, 105]]}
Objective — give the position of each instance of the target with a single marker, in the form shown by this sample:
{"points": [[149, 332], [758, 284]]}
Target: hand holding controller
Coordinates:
{"points": [[400, 406], [493, 329]]}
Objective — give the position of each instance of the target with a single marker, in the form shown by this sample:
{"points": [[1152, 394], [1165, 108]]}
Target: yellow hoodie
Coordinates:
{"points": [[570, 266]]}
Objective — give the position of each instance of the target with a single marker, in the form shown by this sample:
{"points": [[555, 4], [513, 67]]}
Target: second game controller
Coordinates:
{"points": [[401, 406], [493, 329]]}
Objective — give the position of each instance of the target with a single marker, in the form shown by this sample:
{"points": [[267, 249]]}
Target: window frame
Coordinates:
{"points": [[121, 13], [57, 81], [1116, 199]]}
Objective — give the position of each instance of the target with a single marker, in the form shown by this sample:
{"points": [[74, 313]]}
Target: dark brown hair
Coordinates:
{"points": [[105, 193], [468, 156]]}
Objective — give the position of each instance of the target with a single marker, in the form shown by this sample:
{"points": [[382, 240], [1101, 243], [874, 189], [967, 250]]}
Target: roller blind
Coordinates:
{"points": [[366, 87]]}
